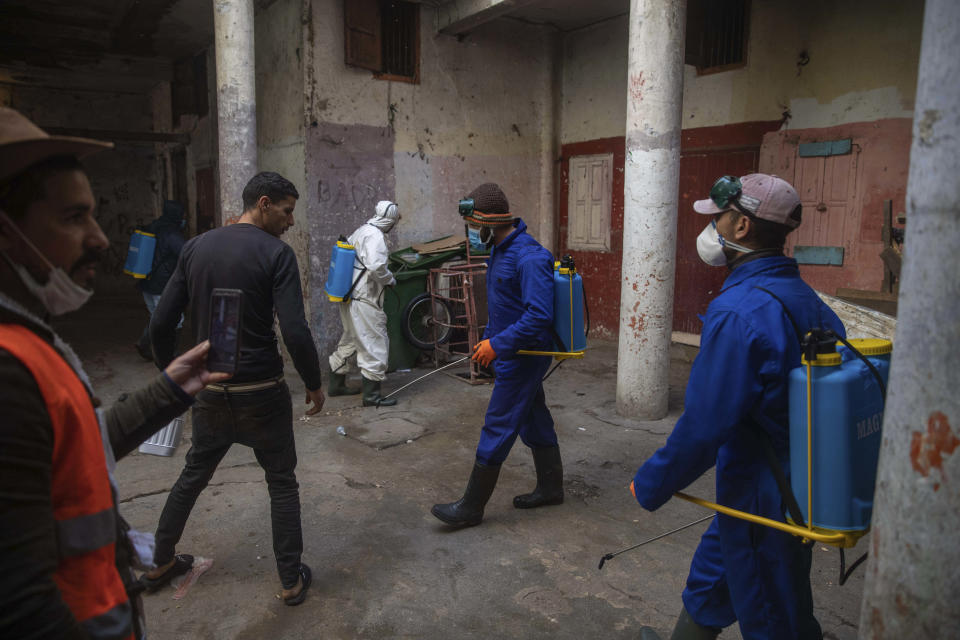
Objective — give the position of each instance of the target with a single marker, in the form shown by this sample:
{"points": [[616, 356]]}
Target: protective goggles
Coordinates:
{"points": [[725, 190]]}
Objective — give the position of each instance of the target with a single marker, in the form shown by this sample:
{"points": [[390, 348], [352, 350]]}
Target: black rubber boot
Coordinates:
{"points": [[549, 480], [338, 386], [687, 629], [468, 510], [371, 394]]}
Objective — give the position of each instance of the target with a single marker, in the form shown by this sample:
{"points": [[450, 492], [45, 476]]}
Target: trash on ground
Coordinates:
{"points": [[341, 430], [183, 583]]}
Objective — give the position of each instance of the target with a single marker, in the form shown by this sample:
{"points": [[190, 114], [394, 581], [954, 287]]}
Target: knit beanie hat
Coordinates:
{"points": [[490, 206]]}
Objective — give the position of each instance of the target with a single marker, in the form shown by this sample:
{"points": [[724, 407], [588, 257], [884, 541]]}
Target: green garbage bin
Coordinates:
{"points": [[410, 284], [411, 270]]}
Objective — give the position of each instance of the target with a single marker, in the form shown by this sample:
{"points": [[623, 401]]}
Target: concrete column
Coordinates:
{"points": [[549, 140], [651, 181], [912, 574], [236, 101]]}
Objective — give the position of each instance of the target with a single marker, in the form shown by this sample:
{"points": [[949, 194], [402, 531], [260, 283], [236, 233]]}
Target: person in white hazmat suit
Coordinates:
{"points": [[363, 318]]}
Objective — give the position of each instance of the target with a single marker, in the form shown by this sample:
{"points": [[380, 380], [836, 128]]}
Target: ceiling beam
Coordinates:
{"points": [[458, 17], [120, 136]]}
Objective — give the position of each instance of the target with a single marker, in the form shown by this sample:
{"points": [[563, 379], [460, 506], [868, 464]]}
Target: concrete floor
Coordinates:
{"points": [[383, 566]]}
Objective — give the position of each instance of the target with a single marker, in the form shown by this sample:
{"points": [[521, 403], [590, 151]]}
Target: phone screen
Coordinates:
{"points": [[225, 317]]}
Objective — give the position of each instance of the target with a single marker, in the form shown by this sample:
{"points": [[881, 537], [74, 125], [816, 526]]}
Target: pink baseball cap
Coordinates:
{"points": [[763, 196]]}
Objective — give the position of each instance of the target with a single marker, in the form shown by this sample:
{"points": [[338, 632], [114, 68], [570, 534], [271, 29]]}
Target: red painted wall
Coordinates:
{"points": [[883, 166], [706, 154], [600, 270]]}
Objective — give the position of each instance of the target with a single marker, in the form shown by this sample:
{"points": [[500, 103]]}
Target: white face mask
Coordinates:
{"points": [[60, 294], [710, 246]]}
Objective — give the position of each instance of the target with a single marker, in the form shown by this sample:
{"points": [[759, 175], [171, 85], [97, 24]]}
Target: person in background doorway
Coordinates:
{"points": [[736, 401], [255, 409], [363, 318], [168, 229], [66, 555], [520, 309]]}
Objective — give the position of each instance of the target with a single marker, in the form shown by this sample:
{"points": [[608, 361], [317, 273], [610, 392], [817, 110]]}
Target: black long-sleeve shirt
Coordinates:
{"points": [[245, 257]]}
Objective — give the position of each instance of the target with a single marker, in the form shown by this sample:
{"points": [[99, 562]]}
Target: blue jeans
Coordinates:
{"points": [[151, 299]]}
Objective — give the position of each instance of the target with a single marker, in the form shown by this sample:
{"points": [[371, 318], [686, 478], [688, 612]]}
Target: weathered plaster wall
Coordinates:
{"points": [[477, 115], [862, 67], [127, 181], [280, 104]]}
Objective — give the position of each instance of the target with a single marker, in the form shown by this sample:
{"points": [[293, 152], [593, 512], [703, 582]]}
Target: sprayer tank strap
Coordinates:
{"points": [[763, 437]]}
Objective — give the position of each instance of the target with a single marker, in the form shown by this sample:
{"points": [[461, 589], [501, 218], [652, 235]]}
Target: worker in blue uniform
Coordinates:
{"points": [[736, 398], [520, 309]]}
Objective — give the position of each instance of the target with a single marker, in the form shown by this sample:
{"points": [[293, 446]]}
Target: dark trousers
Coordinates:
{"points": [[263, 421]]}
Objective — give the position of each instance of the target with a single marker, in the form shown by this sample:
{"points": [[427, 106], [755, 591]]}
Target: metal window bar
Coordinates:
{"points": [[399, 34], [462, 289]]}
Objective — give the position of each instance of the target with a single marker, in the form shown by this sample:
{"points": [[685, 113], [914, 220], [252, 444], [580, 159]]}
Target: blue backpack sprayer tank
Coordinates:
{"points": [[836, 401], [139, 262], [569, 311], [340, 279]]}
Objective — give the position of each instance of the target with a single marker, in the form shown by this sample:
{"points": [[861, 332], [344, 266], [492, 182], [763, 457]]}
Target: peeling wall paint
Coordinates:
{"points": [[476, 115], [280, 98], [349, 169], [862, 67], [480, 113]]}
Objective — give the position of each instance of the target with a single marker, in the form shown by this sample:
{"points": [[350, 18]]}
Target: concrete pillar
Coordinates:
{"points": [[549, 141], [236, 101], [912, 574], [651, 181]]}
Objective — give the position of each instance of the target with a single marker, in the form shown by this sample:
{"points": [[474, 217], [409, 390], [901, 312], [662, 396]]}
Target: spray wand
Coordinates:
{"points": [[611, 556]]}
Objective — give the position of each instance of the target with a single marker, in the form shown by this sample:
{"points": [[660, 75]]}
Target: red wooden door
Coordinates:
{"points": [[697, 283], [206, 196]]}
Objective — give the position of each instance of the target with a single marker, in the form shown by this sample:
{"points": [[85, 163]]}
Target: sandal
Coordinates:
{"points": [[181, 564], [306, 576]]}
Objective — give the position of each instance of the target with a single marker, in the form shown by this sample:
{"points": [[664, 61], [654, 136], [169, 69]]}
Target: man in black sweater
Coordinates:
{"points": [[255, 408]]}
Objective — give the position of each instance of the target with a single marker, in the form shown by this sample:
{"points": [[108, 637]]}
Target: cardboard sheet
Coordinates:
{"points": [[439, 246]]}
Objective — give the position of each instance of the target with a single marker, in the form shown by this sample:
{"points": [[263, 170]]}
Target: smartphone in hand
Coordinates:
{"points": [[226, 318]]}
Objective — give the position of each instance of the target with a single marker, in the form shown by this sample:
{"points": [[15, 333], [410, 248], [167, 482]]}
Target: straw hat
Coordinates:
{"points": [[23, 144]]}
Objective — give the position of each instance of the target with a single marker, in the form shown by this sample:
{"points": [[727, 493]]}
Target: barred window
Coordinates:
{"points": [[383, 36], [717, 34]]}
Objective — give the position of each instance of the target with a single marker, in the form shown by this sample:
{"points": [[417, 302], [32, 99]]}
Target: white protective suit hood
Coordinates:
{"points": [[386, 216]]}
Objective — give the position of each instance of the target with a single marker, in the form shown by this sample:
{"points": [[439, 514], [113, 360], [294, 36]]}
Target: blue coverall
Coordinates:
{"points": [[520, 310], [743, 572]]}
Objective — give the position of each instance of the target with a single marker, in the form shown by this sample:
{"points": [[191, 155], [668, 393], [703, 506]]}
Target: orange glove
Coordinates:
{"points": [[633, 491], [484, 353]]}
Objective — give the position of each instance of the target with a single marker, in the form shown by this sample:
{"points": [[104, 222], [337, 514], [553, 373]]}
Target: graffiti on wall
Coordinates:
{"points": [[351, 168]]}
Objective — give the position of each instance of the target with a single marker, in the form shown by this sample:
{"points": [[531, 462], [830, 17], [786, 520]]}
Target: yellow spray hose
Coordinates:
{"points": [[809, 447], [570, 275], [839, 538]]}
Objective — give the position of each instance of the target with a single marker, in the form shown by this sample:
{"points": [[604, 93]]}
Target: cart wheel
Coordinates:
{"points": [[418, 322]]}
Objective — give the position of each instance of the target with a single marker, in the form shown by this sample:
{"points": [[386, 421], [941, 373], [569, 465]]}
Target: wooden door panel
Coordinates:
{"points": [[828, 190], [697, 283]]}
